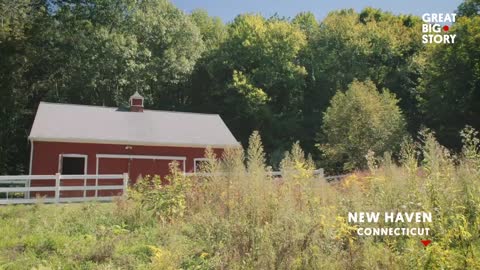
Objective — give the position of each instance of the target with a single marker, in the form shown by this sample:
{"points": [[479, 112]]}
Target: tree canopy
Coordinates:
{"points": [[450, 91], [361, 120]]}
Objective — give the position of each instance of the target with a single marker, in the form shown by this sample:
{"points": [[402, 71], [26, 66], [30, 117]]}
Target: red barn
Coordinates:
{"points": [[79, 139]]}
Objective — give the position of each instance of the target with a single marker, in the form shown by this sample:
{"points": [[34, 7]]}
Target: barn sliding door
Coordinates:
{"points": [[137, 165]]}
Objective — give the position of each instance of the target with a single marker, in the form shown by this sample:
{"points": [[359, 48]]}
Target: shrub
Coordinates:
{"points": [[359, 120], [165, 199]]}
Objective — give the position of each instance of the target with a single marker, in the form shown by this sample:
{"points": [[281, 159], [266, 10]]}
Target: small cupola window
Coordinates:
{"points": [[136, 103]]}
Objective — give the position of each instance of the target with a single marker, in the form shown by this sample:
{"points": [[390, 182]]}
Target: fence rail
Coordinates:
{"points": [[318, 173], [61, 188], [21, 185], [334, 178]]}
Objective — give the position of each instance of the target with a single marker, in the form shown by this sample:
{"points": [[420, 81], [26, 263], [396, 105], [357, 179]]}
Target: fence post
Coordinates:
{"points": [[321, 173], [85, 187], [125, 183], [96, 185], [28, 183], [57, 187]]}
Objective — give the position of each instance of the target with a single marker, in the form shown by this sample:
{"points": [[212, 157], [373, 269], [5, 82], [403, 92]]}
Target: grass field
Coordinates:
{"points": [[243, 219]]}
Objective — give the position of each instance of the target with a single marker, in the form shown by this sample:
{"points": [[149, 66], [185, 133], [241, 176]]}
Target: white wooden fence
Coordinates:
{"points": [[317, 173], [22, 184], [13, 186], [334, 178]]}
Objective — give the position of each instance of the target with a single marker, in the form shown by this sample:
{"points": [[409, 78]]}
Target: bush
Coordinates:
{"points": [[166, 198], [360, 120]]}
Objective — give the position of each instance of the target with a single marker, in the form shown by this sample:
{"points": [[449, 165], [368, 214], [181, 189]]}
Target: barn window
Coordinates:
{"points": [[73, 164], [199, 163]]}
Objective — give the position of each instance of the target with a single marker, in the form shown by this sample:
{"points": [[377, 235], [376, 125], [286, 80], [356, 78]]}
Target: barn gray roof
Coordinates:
{"points": [[93, 124]]}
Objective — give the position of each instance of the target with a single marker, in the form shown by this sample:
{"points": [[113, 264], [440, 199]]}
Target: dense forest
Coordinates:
{"points": [[342, 86]]}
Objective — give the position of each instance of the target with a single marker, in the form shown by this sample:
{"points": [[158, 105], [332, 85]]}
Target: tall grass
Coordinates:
{"points": [[238, 217]]}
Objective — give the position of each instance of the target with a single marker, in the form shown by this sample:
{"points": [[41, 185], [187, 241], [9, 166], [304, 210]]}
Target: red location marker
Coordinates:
{"points": [[426, 242], [445, 28]]}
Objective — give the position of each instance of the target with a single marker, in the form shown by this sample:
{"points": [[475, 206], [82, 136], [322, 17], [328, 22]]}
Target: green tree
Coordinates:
{"points": [[175, 44], [469, 8], [212, 29], [450, 90], [111, 48], [373, 45], [254, 80], [312, 108], [18, 21], [361, 120]]}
